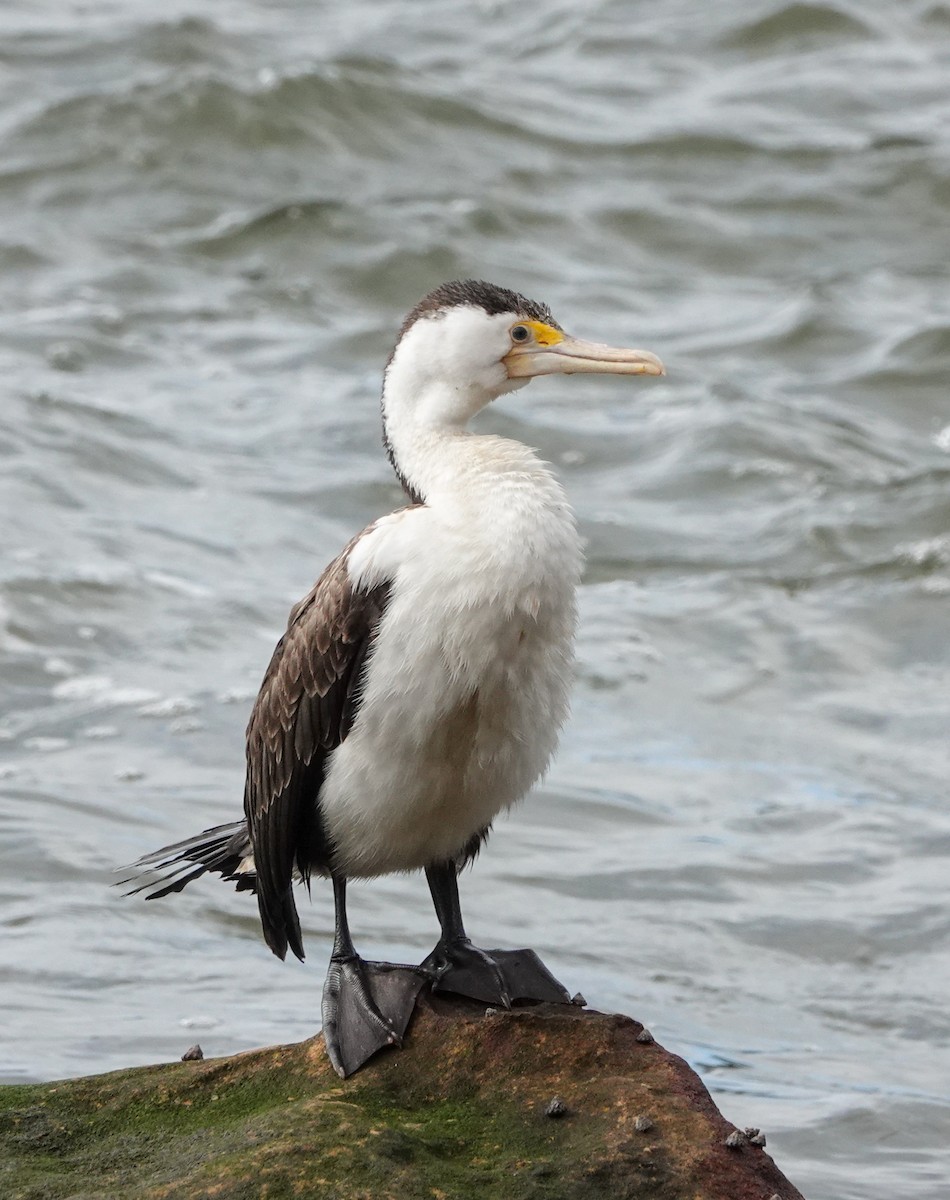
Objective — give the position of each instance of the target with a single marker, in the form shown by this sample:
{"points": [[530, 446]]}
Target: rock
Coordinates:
{"points": [[459, 1112], [556, 1108]]}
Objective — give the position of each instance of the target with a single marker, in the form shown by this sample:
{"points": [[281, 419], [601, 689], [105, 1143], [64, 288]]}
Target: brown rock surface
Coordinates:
{"points": [[546, 1102]]}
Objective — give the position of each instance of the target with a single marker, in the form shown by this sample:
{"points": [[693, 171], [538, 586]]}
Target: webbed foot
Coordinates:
{"points": [[366, 1006], [500, 977]]}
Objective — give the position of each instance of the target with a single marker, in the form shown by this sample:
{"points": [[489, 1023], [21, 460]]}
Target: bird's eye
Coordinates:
{"points": [[520, 333]]}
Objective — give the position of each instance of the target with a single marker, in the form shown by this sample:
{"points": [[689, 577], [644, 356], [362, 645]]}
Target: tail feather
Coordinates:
{"points": [[221, 850]]}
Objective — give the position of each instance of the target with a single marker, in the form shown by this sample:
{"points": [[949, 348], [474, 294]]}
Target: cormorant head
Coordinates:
{"points": [[468, 342]]}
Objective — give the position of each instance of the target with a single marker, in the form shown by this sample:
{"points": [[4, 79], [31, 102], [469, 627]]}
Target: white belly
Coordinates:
{"points": [[465, 694]]}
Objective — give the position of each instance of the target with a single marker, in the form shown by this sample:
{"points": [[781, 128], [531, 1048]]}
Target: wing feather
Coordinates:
{"points": [[304, 710]]}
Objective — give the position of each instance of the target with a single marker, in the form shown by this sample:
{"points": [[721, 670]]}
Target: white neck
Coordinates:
{"points": [[425, 418]]}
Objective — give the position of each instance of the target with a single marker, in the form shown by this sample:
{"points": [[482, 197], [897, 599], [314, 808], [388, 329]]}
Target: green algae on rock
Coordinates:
{"points": [[464, 1110]]}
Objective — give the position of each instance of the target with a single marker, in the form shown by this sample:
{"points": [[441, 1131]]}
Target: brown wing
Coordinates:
{"points": [[305, 708]]}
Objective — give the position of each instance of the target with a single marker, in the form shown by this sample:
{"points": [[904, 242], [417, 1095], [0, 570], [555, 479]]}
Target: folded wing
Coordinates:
{"points": [[304, 710]]}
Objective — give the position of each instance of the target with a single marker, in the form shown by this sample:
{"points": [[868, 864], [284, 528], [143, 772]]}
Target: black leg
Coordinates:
{"points": [[443, 879], [366, 1005], [492, 976]]}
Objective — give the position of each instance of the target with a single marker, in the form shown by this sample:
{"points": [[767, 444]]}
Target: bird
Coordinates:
{"points": [[420, 686]]}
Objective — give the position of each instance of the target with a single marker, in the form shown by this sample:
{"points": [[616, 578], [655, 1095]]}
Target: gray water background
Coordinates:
{"points": [[212, 219]]}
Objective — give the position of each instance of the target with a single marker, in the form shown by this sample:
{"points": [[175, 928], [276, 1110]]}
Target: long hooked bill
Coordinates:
{"points": [[572, 356]]}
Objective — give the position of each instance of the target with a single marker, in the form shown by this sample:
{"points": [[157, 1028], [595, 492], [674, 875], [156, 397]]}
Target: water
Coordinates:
{"points": [[210, 227]]}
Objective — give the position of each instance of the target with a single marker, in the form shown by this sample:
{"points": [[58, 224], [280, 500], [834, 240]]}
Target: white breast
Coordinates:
{"points": [[468, 683]]}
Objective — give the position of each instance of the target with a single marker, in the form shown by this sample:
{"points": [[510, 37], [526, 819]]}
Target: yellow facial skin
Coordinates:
{"points": [[548, 351], [544, 335]]}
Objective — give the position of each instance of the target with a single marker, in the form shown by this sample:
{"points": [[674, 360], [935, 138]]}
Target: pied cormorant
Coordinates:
{"points": [[420, 686]]}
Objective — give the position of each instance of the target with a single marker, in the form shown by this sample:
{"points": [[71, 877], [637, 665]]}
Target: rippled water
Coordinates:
{"points": [[210, 228]]}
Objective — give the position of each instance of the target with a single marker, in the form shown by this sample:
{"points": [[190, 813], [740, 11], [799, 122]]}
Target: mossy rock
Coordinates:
{"points": [[463, 1110]]}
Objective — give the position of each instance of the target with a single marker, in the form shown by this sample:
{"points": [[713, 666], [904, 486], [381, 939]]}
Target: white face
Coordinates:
{"points": [[449, 366]]}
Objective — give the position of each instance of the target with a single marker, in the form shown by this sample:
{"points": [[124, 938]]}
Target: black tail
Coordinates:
{"points": [[220, 850]]}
